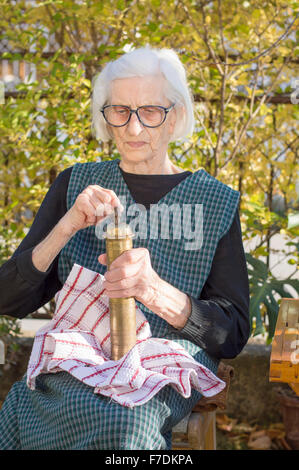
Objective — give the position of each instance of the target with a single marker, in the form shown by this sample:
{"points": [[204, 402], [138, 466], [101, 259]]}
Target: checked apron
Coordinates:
{"points": [[63, 413]]}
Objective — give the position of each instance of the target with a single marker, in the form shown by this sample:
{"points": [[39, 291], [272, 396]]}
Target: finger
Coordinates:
{"points": [[124, 272], [120, 294], [103, 258], [107, 196], [124, 283], [129, 257], [85, 207], [97, 201], [103, 210], [114, 200], [85, 203]]}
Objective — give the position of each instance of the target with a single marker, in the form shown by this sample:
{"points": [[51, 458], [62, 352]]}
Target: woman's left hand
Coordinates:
{"points": [[131, 275]]}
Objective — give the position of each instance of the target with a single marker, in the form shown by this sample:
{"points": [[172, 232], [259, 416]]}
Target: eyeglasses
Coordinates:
{"points": [[149, 116]]}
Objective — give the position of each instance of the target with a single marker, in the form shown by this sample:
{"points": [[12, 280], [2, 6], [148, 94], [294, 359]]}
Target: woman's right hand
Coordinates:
{"points": [[91, 206]]}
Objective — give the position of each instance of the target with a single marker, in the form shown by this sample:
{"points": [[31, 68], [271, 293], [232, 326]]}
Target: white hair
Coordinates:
{"points": [[139, 63]]}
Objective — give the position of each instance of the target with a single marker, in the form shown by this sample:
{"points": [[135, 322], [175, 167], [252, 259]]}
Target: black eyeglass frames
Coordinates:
{"points": [[148, 115]]}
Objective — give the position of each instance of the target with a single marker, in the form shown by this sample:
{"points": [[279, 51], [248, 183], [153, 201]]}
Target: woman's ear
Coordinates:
{"points": [[172, 120]]}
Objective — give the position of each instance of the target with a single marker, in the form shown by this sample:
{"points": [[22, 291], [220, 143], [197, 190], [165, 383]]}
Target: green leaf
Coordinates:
{"points": [[263, 286], [87, 82], [256, 14], [152, 26]]}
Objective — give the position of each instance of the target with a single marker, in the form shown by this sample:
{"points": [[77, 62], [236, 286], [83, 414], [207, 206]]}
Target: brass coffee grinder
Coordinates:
{"points": [[119, 238]]}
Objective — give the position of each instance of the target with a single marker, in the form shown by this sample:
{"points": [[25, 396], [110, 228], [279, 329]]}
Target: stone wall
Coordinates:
{"points": [[252, 397]]}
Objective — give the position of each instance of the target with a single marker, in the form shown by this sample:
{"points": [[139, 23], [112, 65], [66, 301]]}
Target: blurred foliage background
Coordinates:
{"points": [[241, 59]]}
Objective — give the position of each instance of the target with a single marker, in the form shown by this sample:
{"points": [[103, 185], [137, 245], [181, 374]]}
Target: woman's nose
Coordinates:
{"points": [[134, 126]]}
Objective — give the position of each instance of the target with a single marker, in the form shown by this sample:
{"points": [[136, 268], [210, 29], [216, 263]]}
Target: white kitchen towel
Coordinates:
{"points": [[77, 340]]}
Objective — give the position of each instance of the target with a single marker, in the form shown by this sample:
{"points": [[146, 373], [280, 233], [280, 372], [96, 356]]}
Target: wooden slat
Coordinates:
{"points": [[283, 367], [277, 345], [289, 344], [202, 431], [210, 434], [282, 372], [295, 387], [293, 313], [283, 312], [292, 330], [275, 371], [196, 430]]}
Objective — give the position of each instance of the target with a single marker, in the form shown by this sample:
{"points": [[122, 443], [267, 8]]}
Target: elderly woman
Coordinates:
{"points": [[196, 297]]}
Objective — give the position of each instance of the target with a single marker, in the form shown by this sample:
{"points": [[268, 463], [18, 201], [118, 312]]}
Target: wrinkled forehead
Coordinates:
{"points": [[137, 91]]}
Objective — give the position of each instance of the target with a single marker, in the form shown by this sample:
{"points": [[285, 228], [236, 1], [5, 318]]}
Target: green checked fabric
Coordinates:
{"points": [[187, 270], [63, 413]]}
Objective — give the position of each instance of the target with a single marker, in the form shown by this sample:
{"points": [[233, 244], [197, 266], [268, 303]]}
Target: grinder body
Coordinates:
{"points": [[122, 310]]}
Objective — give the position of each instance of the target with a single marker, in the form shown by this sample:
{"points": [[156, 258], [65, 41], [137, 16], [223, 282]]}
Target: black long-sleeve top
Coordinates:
{"points": [[219, 320]]}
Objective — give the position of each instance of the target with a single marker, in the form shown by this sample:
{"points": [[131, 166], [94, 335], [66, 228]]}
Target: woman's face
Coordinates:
{"points": [[137, 143]]}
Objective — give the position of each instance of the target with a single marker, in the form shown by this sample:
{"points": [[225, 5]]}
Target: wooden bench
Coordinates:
{"points": [[284, 360], [284, 366], [197, 431]]}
